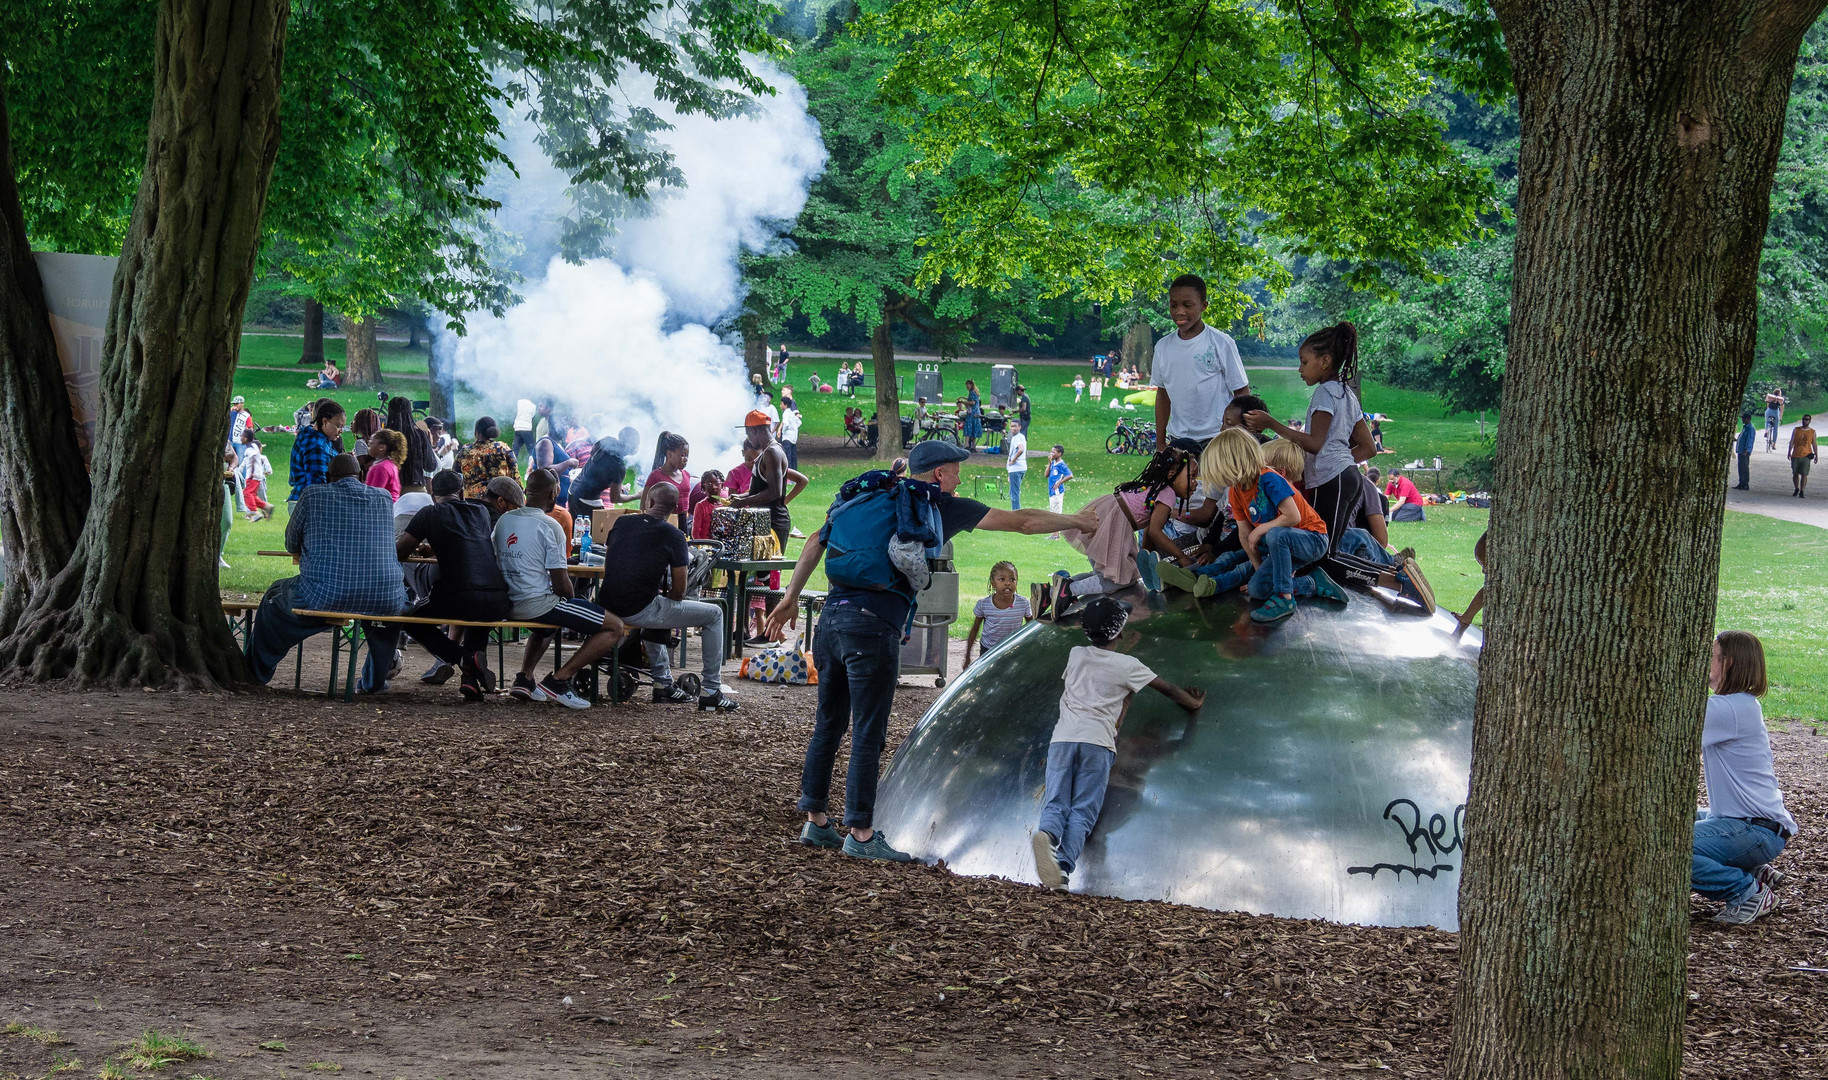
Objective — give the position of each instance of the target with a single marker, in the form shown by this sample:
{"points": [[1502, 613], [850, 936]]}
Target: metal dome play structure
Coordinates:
{"points": [[1326, 776]]}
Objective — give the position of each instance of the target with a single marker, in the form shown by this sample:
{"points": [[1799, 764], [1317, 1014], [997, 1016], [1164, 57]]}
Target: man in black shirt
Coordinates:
{"points": [[1024, 408], [646, 560], [469, 586], [858, 655]]}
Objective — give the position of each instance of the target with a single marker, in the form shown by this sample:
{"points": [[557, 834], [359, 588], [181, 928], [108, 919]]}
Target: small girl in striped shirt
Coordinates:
{"points": [[1000, 614]]}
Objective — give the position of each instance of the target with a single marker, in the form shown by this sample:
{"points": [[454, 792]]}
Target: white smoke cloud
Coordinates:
{"points": [[624, 340]]}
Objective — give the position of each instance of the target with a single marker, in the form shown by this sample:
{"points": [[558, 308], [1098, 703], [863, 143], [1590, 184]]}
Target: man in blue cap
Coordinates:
{"points": [[858, 650]]}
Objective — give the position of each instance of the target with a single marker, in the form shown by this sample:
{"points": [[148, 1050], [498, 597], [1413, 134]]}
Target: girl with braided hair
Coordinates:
{"points": [[1142, 505]]}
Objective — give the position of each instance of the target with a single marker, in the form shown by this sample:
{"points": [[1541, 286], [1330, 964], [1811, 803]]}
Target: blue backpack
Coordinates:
{"points": [[862, 521]]}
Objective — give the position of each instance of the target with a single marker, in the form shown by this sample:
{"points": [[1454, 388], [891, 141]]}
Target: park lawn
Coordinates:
{"points": [[1774, 574], [282, 350]]}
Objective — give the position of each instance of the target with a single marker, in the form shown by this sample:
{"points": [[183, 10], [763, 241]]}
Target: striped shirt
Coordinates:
{"points": [[1000, 623]]}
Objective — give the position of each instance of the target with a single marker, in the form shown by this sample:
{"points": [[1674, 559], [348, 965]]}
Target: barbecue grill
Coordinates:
{"points": [[935, 610]]}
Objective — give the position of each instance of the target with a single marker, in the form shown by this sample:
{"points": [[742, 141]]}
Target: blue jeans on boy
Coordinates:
{"points": [[1015, 490], [1362, 545], [858, 657], [1726, 851], [1077, 774], [1284, 551]]}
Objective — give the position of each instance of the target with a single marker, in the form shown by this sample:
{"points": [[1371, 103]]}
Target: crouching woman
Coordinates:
{"points": [[1744, 825]]}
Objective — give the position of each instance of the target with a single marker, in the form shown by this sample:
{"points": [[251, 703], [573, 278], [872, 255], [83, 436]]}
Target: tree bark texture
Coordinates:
{"points": [[137, 602], [44, 489], [755, 351], [313, 353], [888, 394], [362, 353], [443, 393], [1650, 132], [1139, 347]]}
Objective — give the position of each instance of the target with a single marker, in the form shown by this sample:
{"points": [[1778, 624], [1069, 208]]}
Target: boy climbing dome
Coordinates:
{"points": [[1100, 681]]}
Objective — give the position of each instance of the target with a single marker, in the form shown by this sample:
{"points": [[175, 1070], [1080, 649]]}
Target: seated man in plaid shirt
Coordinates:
{"points": [[343, 534]]}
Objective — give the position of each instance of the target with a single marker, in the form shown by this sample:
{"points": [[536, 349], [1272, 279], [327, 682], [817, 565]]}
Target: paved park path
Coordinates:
{"points": [[1770, 494]]}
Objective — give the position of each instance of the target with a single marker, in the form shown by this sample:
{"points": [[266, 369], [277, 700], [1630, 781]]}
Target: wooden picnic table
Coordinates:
{"points": [[576, 569]]}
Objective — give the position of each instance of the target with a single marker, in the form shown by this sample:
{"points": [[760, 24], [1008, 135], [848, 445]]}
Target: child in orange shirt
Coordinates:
{"points": [[1281, 534]]}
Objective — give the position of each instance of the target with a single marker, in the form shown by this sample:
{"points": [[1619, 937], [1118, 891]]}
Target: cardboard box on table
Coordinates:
{"points": [[601, 521]]}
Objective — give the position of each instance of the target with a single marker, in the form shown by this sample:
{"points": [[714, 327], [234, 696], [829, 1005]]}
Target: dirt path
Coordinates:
{"points": [[410, 887], [1770, 494]]}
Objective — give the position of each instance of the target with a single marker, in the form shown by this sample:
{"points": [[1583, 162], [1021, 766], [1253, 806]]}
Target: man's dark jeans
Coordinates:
{"points": [[463, 606], [277, 631], [858, 656], [1745, 472]]}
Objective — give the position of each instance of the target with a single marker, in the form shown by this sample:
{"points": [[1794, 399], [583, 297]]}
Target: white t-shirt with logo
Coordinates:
{"points": [[1018, 450], [1201, 374], [1335, 454], [1099, 683], [528, 547]]}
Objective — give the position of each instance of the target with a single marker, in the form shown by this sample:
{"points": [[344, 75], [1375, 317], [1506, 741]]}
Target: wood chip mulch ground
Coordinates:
{"points": [[625, 878]]}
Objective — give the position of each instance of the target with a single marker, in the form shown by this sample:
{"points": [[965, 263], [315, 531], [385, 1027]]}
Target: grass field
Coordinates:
{"points": [[1774, 574]]}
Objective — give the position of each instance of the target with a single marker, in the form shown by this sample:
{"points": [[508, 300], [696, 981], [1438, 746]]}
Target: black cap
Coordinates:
{"points": [[1102, 618]]}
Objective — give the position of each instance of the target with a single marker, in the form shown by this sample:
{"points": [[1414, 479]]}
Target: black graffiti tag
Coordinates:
{"points": [[1440, 836]]}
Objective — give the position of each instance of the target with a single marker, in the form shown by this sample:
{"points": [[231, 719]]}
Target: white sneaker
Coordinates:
{"points": [[223, 563], [1759, 902], [550, 689], [1047, 864]]}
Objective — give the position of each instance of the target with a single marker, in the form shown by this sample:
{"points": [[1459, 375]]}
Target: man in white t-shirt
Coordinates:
{"points": [[526, 424], [1197, 371], [1016, 444], [530, 549], [789, 432]]}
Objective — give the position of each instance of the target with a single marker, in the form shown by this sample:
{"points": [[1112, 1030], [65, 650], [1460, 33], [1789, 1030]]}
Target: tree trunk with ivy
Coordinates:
{"points": [[1650, 132], [362, 353], [136, 601], [888, 393], [313, 353]]}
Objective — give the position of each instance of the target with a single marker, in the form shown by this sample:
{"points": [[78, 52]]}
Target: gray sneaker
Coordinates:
{"points": [[876, 847], [820, 836], [1047, 863], [1760, 901], [1770, 876]]}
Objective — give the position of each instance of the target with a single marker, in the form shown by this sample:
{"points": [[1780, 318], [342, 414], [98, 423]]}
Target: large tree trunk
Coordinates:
{"points": [[888, 394], [1649, 135], [443, 393], [44, 490], [1139, 347], [313, 354], [362, 353], [137, 601], [755, 351]]}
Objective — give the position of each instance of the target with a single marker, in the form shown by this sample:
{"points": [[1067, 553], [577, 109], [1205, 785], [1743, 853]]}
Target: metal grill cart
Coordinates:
{"points": [[935, 610], [929, 384], [1003, 385]]}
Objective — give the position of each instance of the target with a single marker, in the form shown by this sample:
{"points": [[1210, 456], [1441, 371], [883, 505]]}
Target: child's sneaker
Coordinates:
{"points": [[1275, 609], [524, 687], [1041, 600], [1760, 901], [1146, 566], [821, 836], [1418, 585], [1325, 588], [876, 847], [1183, 579], [559, 691], [1047, 864]]}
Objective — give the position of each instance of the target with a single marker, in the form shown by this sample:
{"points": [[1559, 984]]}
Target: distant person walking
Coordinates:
{"points": [[1774, 416], [1802, 455], [526, 422], [1197, 371]]}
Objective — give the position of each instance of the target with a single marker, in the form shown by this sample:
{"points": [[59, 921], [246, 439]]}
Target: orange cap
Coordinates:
{"points": [[757, 418]]}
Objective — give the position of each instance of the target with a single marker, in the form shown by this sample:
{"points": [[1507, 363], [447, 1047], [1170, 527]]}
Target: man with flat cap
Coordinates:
{"points": [[867, 614]]}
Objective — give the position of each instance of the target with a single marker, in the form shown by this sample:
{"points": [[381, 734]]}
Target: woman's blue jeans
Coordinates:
{"points": [[1726, 851]]}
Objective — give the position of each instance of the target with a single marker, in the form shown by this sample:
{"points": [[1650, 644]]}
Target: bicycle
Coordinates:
{"points": [[940, 431], [1138, 438]]}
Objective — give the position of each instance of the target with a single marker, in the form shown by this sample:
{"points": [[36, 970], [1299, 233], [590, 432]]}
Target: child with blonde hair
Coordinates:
{"points": [[1280, 533]]}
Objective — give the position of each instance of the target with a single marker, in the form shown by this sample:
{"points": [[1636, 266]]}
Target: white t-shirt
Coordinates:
{"points": [[790, 426], [1018, 450], [523, 415], [1736, 760], [1200, 374], [1335, 454], [528, 546], [1099, 683]]}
